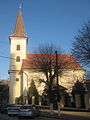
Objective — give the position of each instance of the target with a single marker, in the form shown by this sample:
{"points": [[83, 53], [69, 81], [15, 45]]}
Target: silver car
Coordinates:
{"points": [[13, 110], [28, 111]]}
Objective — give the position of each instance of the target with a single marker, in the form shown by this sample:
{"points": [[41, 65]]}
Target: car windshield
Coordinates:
{"points": [[13, 107], [10, 105], [25, 107]]}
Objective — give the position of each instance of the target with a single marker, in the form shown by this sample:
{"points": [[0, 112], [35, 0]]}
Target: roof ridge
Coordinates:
{"points": [[48, 53]]}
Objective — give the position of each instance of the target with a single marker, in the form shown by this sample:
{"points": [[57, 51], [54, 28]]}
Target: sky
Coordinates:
{"points": [[45, 21]]}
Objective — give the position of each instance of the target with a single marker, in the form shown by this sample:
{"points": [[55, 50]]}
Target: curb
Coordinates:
{"points": [[77, 110]]}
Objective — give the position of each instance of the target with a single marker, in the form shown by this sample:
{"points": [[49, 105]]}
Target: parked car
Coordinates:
{"points": [[13, 110], [28, 111], [4, 108]]}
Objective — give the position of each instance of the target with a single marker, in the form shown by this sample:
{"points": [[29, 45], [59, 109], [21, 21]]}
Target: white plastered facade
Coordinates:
{"points": [[15, 67], [20, 87]]}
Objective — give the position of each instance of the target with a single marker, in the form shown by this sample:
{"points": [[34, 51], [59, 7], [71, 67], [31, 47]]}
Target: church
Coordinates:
{"points": [[21, 72]]}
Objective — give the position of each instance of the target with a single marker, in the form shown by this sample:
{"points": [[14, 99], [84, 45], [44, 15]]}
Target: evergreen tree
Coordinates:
{"points": [[78, 88], [32, 90]]}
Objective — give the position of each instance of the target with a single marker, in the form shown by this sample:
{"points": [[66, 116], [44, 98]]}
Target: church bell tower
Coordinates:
{"points": [[18, 48]]}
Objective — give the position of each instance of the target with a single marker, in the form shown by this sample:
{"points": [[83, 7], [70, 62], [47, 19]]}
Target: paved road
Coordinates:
{"points": [[6, 117], [65, 115]]}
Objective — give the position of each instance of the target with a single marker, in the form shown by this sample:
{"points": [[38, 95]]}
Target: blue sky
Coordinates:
{"points": [[45, 21]]}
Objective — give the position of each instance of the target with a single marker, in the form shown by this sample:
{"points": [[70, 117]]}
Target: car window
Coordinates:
{"points": [[25, 107]]}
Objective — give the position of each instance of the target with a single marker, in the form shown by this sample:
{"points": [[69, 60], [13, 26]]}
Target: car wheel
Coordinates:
{"points": [[33, 116], [19, 117], [39, 113]]}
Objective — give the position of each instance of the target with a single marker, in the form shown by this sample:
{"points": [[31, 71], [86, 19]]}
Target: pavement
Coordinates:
{"points": [[66, 115], [45, 115], [75, 109]]}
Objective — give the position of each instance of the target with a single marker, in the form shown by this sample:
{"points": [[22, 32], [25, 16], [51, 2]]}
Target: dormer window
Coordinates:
{"points": [[18, 47], [18, 59]]}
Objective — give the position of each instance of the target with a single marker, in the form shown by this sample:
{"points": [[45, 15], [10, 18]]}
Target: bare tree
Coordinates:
{"points": [[51, 64], [44, 61], [81, 45]]}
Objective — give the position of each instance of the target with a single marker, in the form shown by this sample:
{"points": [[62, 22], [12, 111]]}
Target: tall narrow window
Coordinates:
{"points": [[18, 59], [18, 47]]}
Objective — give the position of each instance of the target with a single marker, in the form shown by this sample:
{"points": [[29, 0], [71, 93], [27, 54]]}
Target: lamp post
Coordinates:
{"points": [[57, 72]]}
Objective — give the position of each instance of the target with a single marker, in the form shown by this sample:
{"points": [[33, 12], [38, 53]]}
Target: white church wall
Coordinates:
{"points": [[67, 80], [14, 52], [69, 77], [14, 87], [35, 76]]}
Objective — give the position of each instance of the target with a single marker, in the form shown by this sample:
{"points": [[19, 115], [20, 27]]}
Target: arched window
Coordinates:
{"points": [[18, 47], [18, 59]]}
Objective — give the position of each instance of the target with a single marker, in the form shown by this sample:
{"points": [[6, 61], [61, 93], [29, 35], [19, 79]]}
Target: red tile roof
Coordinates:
{"points": [[66, 61]]}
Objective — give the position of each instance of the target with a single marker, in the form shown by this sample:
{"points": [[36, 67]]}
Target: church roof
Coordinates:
{"points": [[66, 61], [19, 26]]}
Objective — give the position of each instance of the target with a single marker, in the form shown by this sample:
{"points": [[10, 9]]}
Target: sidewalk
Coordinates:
{"points": [[46, 113], [66, 115], [75, 109], [66, 109]]}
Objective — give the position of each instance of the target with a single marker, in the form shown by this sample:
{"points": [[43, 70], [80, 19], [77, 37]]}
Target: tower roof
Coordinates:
{"points": [[19, 26]]}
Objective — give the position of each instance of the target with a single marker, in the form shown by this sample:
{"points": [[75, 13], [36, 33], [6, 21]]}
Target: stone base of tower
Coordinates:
{"points": [[11, 100]]}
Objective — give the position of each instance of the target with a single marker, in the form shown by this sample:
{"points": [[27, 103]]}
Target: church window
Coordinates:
{"points": [[17, 79], [18, 47], [18, 59]]}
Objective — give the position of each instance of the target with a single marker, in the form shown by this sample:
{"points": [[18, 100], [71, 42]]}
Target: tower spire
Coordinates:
{"points": [[19, 26]]}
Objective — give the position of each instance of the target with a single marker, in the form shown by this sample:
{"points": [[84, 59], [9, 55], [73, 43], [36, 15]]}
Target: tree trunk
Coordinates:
{"points": [[51, 108], [40, 101], [59, 111], [33, 100]]}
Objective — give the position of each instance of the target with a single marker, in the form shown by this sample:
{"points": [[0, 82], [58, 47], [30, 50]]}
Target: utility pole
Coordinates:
{"points": [[57, 84]]}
